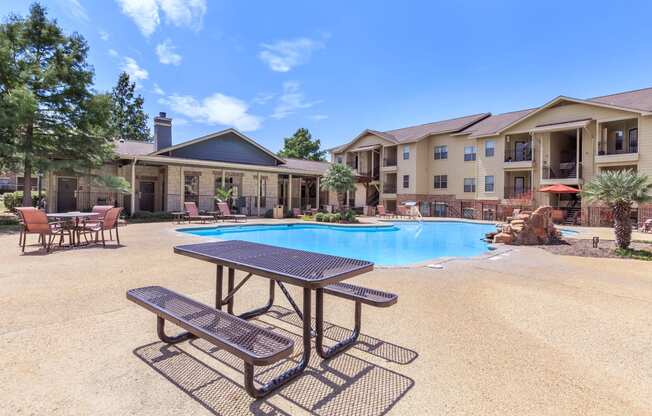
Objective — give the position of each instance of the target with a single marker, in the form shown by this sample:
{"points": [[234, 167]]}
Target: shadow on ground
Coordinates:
{"points": [[343, 385]]}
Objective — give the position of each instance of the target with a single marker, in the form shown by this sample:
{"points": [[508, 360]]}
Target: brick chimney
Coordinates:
{"points": [[162, 131]]}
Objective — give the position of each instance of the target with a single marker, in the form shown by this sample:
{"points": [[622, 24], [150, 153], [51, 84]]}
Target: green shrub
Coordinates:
{"points": [[307, 217], [269, 213], [319, 217], [146, 216], [288, 214], [337, 217], [8, 220], [349, 216], [15, 199]]}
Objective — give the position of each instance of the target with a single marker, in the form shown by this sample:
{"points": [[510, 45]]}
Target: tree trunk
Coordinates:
{"points": [[622, 225], [27, 172]]}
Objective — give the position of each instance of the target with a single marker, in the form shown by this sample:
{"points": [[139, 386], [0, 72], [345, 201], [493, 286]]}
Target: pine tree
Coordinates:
{"points": [[50, 119], [302, 146], [129, 120]]}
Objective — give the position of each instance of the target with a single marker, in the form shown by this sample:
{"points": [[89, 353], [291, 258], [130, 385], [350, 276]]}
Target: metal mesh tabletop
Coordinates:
{"points": [[298, 267]]}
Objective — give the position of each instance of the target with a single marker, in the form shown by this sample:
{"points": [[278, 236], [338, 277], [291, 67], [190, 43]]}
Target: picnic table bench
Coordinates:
{"points": [[254, 345]]}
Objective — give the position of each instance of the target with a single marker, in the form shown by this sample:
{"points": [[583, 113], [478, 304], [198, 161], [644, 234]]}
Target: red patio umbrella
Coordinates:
{"points": [[559, 189]]}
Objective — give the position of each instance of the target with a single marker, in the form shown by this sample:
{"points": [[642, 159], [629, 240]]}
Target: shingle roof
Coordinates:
{"points": [[133, 148], [494, 123], [309, 165], [637, 99], [415, 133]]}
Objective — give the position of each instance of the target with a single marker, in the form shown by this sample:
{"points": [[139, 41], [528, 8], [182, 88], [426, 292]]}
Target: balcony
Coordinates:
{"points": [[389, 162], [518, 158], [616, 158], [389, 188], [567, 173], [524, 193]]}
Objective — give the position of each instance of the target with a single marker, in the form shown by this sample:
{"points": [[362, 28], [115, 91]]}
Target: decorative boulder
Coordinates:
{"points": [[529, 229]]}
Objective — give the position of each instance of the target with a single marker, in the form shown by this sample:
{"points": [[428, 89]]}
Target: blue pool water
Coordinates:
{"points": [[401, 244]]}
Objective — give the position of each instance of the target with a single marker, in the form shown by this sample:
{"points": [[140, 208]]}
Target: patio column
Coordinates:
{"points": [[577, 153], [290, 192], [258, 194], [223, 178], [318, 190], [182, 189], [133, 187]]}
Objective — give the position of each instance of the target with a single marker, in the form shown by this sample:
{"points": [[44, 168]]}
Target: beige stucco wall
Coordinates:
{"points": [[645, 145], [490, 166]]}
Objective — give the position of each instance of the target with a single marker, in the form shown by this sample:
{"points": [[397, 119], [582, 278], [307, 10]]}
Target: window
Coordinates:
{"points": [[469, 153], [489, 148], [339, 160], [633, 140], [441, 152], [469, 184], [441, 182], [191, 189], [20, 183], [489, 183], [406, 181], [619, 138], [406, 151]]}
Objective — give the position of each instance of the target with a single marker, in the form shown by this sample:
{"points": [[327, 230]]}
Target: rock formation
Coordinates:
{"points": [[529, 229]]}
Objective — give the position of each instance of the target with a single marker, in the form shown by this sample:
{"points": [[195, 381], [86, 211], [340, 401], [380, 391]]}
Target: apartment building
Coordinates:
{"points": [[476, 165]]}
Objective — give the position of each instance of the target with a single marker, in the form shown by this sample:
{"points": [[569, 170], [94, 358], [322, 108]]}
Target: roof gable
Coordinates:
{"points": [[225, 146], [416, 133]]}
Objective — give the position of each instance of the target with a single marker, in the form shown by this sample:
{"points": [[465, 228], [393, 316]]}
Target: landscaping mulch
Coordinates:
{"points": [[584, 248]]}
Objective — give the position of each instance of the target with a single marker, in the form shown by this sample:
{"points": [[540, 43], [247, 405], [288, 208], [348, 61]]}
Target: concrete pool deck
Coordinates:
{"points": [[527, 332]]}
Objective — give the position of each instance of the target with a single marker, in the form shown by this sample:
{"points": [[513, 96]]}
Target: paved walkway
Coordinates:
{"points": [[526, 333]]}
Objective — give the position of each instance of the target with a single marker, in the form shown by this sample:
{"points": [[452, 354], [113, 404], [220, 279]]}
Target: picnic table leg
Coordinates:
{"points": [[341, 346], [160, 330], [294, 371], [218, 287], [231, 283], [259, 311]]}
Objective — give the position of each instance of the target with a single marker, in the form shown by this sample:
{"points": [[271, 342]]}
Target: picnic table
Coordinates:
{"points": [[255, 345], [71, 220], [307, 270]]}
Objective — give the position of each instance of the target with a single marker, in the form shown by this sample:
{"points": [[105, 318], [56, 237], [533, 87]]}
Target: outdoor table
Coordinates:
{"points": [[305, 269], [72, 218]]}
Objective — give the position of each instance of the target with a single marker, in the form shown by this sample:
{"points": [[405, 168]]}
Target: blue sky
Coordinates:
{"points": [[338, 67]]}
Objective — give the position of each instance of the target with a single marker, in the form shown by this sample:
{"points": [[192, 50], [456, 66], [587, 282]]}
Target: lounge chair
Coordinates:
{"points": [[193, 213], [382, 213], [404, 211], [108, 222], [225, 213], [296, 212], [36, 222]]}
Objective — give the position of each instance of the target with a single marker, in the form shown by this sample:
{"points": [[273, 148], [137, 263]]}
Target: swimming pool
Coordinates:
{"points": [[400, 244]]}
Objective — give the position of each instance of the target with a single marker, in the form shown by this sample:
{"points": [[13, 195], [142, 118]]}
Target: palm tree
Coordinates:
{"points": [[223, 194], [340, 179], [619, 190]]}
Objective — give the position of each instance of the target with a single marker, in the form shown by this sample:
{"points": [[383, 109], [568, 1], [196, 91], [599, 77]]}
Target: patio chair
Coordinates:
{"points": [[296, 212], [193, 213], [382, 213], [646, 226], [404, 211], [36, 222], [225, 213], [107, 223]]}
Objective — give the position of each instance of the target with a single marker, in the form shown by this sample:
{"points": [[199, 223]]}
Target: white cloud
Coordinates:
{"points": [[284, 55], [262, 98], [147, 13], [166, 53], [318, 117], [74, 8], [157, 89], [214, 109], [131, 67], [291, 100], [104, 35], [113, 53]]}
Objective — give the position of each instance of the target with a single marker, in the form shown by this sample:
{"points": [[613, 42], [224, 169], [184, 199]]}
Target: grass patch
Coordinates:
{"points": [[631, 253]]}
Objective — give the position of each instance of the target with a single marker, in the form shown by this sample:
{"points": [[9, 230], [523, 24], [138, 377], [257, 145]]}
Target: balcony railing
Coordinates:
{"points": [[567, 170], [632, 150], [389, 188], [524, 193], [389, 162], [518, 155]]}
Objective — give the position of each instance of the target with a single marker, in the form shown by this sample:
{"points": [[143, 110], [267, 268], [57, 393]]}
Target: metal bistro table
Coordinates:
{"points": [[308, 270], [73, 219]]}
